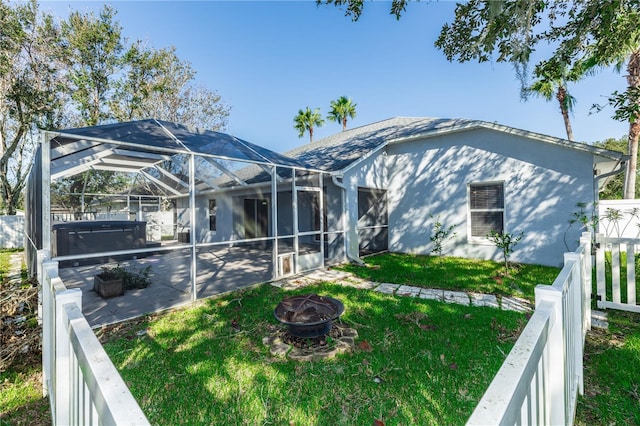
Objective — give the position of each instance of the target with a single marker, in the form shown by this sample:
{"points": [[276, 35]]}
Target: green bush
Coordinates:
{"points": [[130, 280]]}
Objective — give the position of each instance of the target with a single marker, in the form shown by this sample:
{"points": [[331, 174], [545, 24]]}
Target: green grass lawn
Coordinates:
{"points": [[415, 362], [612, 373], [453, 273]]}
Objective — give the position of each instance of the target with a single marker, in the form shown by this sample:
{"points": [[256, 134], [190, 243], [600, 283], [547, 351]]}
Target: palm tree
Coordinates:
{"points": [[626, 104], [307, 120], [341, 109], [552, 82], [612, 33]]}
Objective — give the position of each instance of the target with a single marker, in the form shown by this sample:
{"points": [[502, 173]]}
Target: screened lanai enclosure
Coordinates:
{"points": [[205, 213]]}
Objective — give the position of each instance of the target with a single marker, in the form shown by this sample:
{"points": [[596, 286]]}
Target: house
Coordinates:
{"points": [[365, 190], [387, 183]]}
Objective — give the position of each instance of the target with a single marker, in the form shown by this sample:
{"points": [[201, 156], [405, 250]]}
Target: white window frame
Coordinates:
{"points": [[483, 239]]}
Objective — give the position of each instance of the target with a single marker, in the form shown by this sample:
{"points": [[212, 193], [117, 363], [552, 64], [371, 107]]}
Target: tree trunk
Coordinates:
{"points": [[633, 80], [632, 164], [561, 95], [310, 134]]}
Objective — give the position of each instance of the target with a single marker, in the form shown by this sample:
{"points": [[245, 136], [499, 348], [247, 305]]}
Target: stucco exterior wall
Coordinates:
{"points": [[542, 184]]}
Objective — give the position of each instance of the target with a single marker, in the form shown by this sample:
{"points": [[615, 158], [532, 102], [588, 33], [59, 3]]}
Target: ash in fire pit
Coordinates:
{"points": [[308, 315]]}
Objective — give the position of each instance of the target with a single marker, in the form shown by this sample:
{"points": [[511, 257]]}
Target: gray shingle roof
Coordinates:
{"points": [[338, 151], [341, 150]]}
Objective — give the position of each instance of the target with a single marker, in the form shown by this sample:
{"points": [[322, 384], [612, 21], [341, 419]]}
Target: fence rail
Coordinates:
{"points": [[545, 365], [83, 385]]}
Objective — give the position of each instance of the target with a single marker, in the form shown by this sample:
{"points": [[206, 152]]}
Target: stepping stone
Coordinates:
{"points": [[599, 319], [432, 294], [361, 284], [406, 290], [516, 304], [488, 300], [323, 275], [387, 288], [459, 297]]}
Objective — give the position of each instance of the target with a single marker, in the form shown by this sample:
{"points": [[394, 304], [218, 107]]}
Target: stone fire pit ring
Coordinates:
{"points": [[308, 315]]}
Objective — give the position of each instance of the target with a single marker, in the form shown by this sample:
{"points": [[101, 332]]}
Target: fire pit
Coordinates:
{"points": [[308, 315]]}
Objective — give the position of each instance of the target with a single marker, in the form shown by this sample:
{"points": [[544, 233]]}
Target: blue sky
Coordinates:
{"points": [[269, 59]]}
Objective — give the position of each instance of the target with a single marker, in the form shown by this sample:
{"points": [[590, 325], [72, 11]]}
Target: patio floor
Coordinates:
{"points": [[220, 270]]}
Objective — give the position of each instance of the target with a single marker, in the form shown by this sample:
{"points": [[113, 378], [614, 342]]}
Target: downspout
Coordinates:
{"points": [[597, 177], [334, 179]]}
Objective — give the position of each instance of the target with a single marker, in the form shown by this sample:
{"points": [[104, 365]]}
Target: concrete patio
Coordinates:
{"points": [[219, 270]]}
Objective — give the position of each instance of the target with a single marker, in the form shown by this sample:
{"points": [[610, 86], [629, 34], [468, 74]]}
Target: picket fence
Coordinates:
{"points": [[83, 385], [540, 380], [620, 291]]}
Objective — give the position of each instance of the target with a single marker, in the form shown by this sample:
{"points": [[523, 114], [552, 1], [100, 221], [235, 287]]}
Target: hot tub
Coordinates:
{"points": [[84, 237]]}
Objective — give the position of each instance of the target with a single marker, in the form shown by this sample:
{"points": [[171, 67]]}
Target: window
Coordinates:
{"points": [[213, 212], [486, 208]]}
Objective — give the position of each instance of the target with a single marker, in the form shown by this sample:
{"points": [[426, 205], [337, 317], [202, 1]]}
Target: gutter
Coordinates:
{"points": [[622, 165]]}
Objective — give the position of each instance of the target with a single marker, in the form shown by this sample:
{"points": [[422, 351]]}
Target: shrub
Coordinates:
{"points": [[440, 236], [130, 280], [505, 242]]}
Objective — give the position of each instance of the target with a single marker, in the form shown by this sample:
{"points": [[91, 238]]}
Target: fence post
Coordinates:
{"points": [[47, 331], [600, 274], [59, 351], [555, 351], [574, 326], [41, 257], [49, 270], [63, 356], [587, 282], [44, 311]]}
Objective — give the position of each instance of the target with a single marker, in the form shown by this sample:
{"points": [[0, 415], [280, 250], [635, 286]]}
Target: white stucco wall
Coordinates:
{"points": [[542, 184]]}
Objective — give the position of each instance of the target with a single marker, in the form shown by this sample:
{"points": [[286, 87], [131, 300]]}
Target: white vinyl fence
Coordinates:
{"points": [[83, 385], [11, 231], [540, 380], [620, 290], [619, 218]]}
